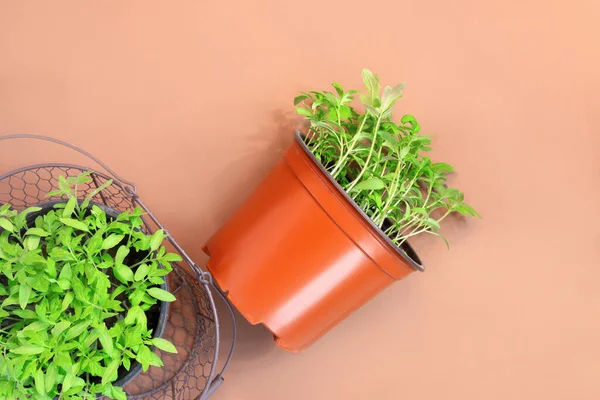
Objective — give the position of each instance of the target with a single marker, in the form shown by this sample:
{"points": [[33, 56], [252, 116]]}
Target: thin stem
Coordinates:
{"points": [[392, 192], [364, 168], [344, 156], [137, 264]]}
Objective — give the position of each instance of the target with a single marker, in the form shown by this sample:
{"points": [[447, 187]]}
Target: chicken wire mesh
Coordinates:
{"points": [[192, 324]]}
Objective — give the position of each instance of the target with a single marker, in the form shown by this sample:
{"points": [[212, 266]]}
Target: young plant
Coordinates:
{"points": [[76, 290], [378, 162]]}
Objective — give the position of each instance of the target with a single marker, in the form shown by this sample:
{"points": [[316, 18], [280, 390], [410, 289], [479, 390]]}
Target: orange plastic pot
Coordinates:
{"points": [[299, 255]]}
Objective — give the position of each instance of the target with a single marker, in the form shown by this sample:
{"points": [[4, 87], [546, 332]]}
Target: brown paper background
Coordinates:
{"points": [[192, 100]]}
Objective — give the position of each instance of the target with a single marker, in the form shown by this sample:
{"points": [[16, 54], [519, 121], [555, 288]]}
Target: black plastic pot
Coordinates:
{"points": [[157, 324]]}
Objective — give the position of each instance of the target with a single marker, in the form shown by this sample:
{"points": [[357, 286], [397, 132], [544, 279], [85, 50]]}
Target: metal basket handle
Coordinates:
{"points": [[129, 187]]}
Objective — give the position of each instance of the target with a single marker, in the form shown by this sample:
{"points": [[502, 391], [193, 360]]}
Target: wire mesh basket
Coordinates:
{"points": [[192, 323]]}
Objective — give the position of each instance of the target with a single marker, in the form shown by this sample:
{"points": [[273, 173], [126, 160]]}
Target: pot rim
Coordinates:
{"points": [[406, 251]]}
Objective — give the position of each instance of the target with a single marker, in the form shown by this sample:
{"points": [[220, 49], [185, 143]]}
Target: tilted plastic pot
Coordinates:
{"points": [[299, 255]]}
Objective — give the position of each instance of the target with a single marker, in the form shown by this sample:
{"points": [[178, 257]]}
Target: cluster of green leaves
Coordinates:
{"points": [[379, 162], [75, 289]]}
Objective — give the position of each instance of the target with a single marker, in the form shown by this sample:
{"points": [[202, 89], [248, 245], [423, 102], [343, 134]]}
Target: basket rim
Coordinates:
{"points": [[64, 165]]}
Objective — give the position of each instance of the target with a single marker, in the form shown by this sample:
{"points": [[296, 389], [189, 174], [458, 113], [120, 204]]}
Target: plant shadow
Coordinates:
{"points": [[255, 153]]}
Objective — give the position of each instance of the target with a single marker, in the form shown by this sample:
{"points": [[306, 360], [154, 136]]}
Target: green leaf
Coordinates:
{"points": [[372, 110], [390, 95], [66, 272], [24, 295], [78, 384], [156, 280], [332, 114], [136, 297], [63, 185], [330, 99], [64, 284], [445, 240], [338, 88], [161, 271], [371, 82], [37, 232], [118, 393], [404, 152], [146, 357], [29, 370], [94, 244], [32, 242], [442, 167], [377, 197], [412, 121], [110, 374], [132, 315], [111, 241], [370, 184], [300, 99], [171, 257], [433, 224], [421, 211], [67, 301], [6, 224], [161, 294], [25, 314], [28, 349], [9, 301], [4, 208], [51, 268], [39, 382], [389, 140], [124, 272], [51, 377], [70, 207], [466, 209], [121, 254], [345, 112], [304, 111], [79, 179], [155, 359], [80, 289], [35, 329], [141, 272], [94, 192], [106, 341], [60, 328], [91, 338], [77, 330], [63, 360], [60, 254], [68, 381], [95, 368], [157, 239], [126, 363], [21, 219], [164, 345], [75, 224]]}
